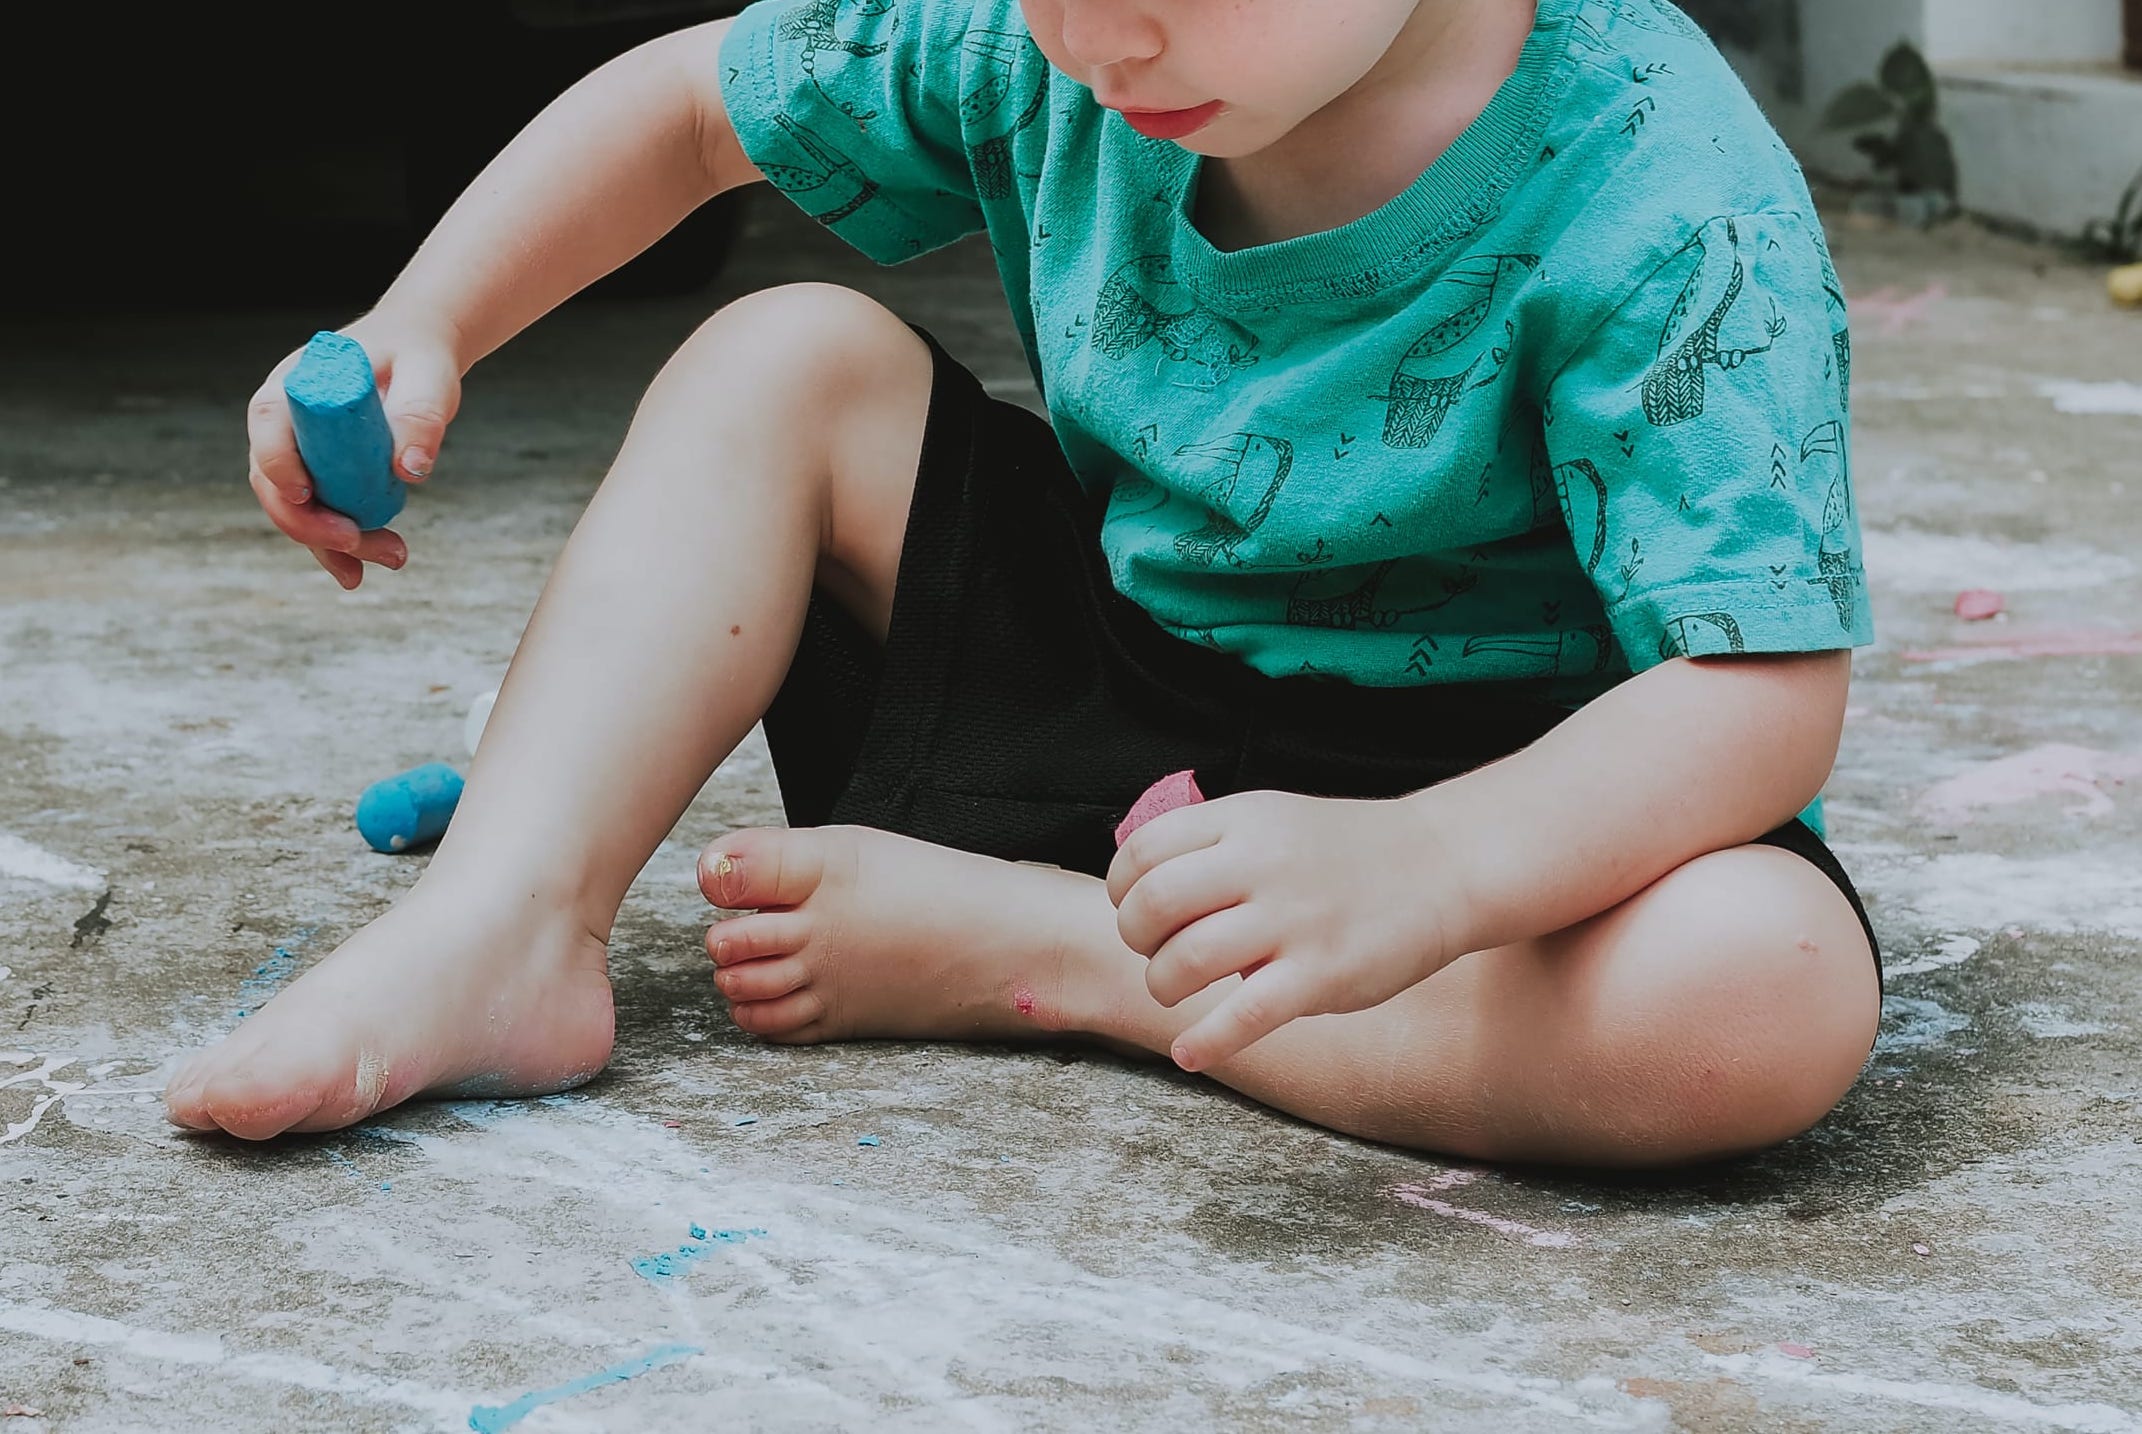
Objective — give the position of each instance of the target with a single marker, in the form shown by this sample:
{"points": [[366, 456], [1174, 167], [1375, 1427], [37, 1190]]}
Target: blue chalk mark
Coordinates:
{"points": [[268, 977], [749, 1120], [410, 809], [342, 431], [386, 1184], [666, 1267], [866, 1140], [492, 1418]]}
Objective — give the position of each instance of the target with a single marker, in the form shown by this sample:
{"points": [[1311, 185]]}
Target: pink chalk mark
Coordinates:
{"points": [[2042, 771], [1794, 1351], [1418, 1197], [2049, 642], [1979, 604], [1445, 1180], [1165, 795], [1896, 311]]}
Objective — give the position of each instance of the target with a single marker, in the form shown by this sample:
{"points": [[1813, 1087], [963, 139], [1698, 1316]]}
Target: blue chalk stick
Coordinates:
{"points": [[406, 811], [342, 431]]}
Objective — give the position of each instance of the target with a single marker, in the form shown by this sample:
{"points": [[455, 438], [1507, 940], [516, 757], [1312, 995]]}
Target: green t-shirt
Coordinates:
{"points": [[1574, 403]]}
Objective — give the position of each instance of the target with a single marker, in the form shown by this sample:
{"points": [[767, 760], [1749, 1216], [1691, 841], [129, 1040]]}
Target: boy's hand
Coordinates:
{"points": [[420, 388], [1323, 905]]}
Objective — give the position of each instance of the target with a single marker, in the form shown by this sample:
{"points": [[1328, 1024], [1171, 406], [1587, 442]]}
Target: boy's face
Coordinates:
{"points": [[1224, 78]]}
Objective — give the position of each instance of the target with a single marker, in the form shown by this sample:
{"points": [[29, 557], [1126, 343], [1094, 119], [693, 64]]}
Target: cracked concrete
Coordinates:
{"points": [[1036, 1240]]}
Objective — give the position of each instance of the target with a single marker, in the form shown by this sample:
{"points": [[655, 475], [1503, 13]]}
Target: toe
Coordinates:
{"points": [[782, 1016], [757, 937], [762, 867], [245, 1104], [762, 980]]}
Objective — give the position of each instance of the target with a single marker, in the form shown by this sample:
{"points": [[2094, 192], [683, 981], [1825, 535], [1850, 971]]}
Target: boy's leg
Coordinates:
{"points": [[776, 451], [1723, 1009]]}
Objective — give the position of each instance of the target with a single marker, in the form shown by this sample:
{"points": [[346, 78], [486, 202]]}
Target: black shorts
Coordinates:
{"points": [[1020, 704]]}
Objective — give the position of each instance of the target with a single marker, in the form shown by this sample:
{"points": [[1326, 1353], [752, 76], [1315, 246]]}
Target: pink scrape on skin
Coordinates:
{"points": [[1979, 604], [1023, 1000], [1165, 795]]}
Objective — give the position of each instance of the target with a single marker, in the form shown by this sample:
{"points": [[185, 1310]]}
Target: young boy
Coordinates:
{"points": [[1447, 462]]}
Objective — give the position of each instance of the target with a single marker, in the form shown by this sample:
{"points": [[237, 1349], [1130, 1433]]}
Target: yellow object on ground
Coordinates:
{"points": [[2126, 285]]}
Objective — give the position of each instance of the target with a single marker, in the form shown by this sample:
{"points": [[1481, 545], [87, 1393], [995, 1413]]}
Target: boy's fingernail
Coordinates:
{"points": [[301, 495], [416, 462]]}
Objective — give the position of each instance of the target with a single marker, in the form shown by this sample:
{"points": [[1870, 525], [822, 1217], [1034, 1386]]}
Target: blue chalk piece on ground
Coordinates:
{"points": [[342, 431], [866, 1140], [407, 811]]}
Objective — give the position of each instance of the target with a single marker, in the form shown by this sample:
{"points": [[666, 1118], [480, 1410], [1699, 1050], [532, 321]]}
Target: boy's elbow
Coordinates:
{"points": [[1797, 703]]}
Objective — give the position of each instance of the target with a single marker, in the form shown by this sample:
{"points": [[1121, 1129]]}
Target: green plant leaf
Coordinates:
{"points": [[1906, 75], [1926, 161], [1857, 106], [1879, 148]]}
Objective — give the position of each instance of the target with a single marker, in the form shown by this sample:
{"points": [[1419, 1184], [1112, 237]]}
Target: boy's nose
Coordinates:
{"points": [[1101, 33]]}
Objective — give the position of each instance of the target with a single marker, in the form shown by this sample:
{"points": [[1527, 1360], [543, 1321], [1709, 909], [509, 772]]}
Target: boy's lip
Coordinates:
{"points": [[1172, 124]]}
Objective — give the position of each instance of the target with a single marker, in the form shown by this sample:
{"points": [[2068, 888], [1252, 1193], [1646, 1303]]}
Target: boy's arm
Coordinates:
{"points": [[1689, 757], [606, 169], [1329, 905]]}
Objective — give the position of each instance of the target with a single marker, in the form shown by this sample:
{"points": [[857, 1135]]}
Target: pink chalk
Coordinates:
{"points": [[1794, 1351], [1978, 604], [1165, 795]]}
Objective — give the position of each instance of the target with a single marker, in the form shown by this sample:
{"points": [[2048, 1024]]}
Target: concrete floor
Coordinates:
{"points": [[1035, 1241]]}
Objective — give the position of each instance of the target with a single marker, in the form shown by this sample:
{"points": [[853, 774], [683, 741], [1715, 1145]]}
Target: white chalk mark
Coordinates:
{"points": [[65, 1326], [2050, 1022], [882, 1260], [2090, 1418], [1953, 951], [6, 971], [1417, 1196], [19, 858], [371, 1078], [56, 1090], [2117, 399]]}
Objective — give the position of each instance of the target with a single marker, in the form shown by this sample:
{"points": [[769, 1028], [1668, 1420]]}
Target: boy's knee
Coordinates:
{"points": [[1764, 1004], [820, 334]]}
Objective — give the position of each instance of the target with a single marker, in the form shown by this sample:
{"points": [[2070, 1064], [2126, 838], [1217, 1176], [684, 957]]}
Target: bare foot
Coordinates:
{"points": [[861, 933], [442, 995]]}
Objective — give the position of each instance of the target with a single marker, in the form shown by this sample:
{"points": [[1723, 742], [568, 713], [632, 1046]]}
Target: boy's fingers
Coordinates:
{"points": [[1222, 944], [1179, 891], [420, 397], [1259, 1006], [1165, 837], [343, 568], [273, 443], [307, 523]]}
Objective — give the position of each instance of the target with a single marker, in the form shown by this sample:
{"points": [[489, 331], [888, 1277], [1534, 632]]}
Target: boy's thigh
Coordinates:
{"points": [[1725, 1007]]}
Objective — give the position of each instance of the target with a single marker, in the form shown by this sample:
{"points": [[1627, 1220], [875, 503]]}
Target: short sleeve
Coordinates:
{"points": [[853, 111], [1701, 444]]}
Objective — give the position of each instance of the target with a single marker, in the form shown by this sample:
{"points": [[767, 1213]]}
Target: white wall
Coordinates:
{"points": [[2021, 31]]}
